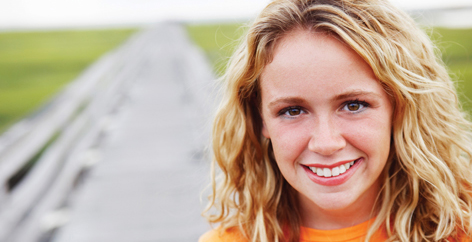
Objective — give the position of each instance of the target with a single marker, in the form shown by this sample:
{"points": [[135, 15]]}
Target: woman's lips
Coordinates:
{"points": [[336, 170], [335, 175]]}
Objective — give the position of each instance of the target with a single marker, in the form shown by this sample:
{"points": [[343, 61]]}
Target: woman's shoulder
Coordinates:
{"points": [[461, 237], [220, 235]]}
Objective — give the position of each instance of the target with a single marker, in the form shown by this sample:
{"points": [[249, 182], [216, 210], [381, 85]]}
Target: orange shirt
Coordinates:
{"points": [[352, 234], [355, 233]]}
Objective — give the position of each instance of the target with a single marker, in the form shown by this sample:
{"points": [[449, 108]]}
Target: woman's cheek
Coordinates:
{"points": [[372, 136], [289, 141]]}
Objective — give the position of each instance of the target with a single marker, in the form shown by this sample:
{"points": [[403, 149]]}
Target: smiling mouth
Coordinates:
{"points": [[333, 172]]}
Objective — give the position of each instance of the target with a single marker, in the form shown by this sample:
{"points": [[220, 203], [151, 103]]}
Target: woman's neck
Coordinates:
{"points": [[314, 217]]}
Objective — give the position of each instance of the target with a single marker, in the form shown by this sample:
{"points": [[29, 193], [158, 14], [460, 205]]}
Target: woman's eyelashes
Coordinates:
{"points": [[354, 106], [351, 106], [291, 112]]}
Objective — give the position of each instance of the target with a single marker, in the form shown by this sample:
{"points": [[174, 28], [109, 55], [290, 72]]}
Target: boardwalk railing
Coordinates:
{"points": [[42, 157]]}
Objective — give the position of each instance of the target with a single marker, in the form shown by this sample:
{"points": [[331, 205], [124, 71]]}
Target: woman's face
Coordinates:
{"points": [[329, 121]]}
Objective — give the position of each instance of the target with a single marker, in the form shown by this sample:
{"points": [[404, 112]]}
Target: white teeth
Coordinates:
{"points": [[326, 172], [335, 171], [342, 169]]}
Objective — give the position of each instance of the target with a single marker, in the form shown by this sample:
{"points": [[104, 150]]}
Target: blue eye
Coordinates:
{"points": [[355, 106]]}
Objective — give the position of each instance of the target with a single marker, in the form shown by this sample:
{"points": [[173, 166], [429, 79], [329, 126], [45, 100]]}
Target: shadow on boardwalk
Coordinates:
{"points": [[151, 165]]}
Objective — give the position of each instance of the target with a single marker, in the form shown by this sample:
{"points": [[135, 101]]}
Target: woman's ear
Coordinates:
{"points": [[265, 132]]}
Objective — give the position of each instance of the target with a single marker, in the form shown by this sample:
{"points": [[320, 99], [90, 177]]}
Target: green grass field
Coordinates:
{"points": [[36, 65], [219, 41], [456, 48]]}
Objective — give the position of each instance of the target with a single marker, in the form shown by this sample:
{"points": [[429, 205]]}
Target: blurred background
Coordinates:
{"points": [[53, 52], [44, 44]]}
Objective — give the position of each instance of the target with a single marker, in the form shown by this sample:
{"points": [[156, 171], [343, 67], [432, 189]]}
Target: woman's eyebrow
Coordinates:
{"points": [[298, 100], [355, 93], [293, 100]]}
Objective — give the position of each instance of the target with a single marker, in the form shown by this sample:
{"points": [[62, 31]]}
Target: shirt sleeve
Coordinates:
{"points": [[216, 235], [210, 236]]}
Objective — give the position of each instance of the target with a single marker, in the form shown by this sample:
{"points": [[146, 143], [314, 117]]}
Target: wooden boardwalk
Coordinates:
{"points": [[151, 166]]}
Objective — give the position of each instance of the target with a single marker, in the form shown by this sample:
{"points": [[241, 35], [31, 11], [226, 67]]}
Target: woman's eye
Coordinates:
{"points": [[355, 106], [292, 111]]}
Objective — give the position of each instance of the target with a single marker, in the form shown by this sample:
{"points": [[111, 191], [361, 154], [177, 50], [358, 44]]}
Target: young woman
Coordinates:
{"points": [[339, 123]]}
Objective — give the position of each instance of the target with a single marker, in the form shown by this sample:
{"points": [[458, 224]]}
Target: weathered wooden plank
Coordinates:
{"points": [[42, 128], [46, 186], [101, 106], [148, 183], [157, 173]]}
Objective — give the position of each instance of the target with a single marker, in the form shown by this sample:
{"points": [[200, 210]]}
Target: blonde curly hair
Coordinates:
{"points": [[426, 193]]}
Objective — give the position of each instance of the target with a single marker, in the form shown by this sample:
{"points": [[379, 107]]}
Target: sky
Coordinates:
{"points": [[31, 14]]}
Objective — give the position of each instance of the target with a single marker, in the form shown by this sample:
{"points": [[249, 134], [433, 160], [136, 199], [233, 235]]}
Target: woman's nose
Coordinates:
{"points": [[326, 138]]}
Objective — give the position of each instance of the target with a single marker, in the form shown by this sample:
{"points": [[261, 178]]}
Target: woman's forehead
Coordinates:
{"points": [[319, 63], [304, 48]]}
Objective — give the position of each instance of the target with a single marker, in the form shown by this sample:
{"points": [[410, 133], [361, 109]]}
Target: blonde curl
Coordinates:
{"points": [[426, 193]]}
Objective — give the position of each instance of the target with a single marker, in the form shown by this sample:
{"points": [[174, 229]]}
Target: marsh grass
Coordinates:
{"points": [[218, 41], [456, 48], [36, 65]]}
